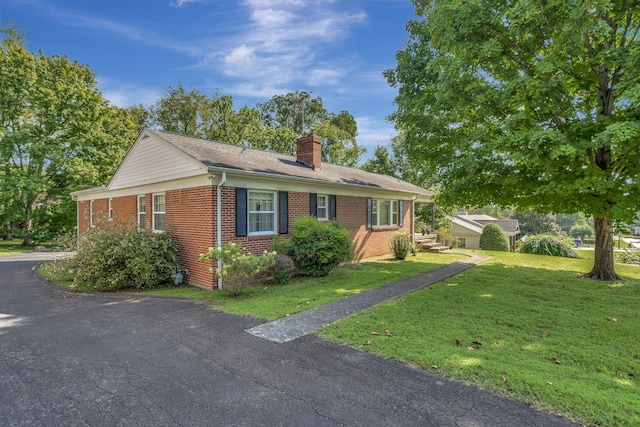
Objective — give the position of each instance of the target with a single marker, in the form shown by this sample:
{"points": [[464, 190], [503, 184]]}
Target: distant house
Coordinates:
{"points": [[467, 229], [207, 193]]}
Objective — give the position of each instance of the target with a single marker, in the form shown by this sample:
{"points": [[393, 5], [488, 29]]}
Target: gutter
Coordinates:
{"points": [[222, 181]]}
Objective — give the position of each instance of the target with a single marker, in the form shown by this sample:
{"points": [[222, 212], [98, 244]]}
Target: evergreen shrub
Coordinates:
{"points": [[493, 238], [318, 247]]}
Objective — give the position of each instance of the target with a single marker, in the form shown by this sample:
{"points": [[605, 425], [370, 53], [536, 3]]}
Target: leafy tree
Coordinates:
{"points": [[566, 221], [57, 134], [533, 104], [493, 238], [532, 222], [580, 230], [180, 110]]}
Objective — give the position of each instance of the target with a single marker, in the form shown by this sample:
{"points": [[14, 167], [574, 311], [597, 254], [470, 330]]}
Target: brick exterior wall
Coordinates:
{"points": [[190, 216]]}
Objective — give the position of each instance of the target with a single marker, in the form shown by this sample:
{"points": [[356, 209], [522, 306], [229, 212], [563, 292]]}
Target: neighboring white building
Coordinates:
{"points": [[467, 229]]}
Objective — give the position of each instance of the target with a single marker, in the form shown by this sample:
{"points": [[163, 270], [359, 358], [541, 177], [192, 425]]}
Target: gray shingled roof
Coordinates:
{"points": [[508, 225], [231, 157]]}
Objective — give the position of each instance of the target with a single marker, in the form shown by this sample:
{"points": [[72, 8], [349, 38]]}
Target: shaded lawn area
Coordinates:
{"points": [[13, 247], [524, 325], [271, 301]]}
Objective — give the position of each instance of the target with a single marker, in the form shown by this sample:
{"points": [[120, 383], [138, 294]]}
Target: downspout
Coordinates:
{"points": [[219, 221], [413, 221], [75, 198]]}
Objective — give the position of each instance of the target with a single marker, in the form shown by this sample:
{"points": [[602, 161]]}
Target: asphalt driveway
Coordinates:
{"points": [[112, 360]]}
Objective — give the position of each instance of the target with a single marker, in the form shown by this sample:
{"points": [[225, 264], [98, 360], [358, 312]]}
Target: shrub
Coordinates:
{"points": [[237, 266], [494, 239], [317, 247], [282, 268], [120, 256], [401, 245], [545, 244], [629, 257]]}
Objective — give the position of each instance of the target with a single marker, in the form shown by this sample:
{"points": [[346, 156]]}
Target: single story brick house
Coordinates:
{"points": [[467, 229], [207, 193]]}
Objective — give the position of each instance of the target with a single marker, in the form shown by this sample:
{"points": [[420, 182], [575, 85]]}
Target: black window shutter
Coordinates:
{"points": [[332, 208], [401, 213], [313, 204], [283, 212], [369, 213], [241, 212]]}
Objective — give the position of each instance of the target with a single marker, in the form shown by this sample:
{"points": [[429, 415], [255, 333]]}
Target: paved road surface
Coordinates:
{"points": [[111, 360]]}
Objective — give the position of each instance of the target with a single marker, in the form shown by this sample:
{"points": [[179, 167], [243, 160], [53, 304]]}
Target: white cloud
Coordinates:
{"points": [[180, 3], [373, 132], [125, 94]]}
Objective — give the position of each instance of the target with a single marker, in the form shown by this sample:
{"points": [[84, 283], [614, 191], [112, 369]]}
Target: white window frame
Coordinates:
{"points": [[322, 207], [261, 210], [142, 223], [391, 212], [162, 212], [92, 214], [110, 209]]}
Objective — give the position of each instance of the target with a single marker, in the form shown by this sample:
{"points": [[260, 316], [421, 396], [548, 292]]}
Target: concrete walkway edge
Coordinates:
{"points": [[297, 325]]}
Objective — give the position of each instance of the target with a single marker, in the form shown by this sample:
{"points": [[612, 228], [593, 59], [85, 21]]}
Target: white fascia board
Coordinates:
{"points": [[158, 187], [267, 181]]}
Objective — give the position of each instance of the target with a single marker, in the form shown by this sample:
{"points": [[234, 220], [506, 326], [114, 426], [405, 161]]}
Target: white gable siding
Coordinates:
{"points": [[153, 160]]}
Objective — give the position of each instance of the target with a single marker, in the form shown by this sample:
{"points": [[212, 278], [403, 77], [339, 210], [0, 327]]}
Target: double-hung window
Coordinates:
{"points": [[262, 212], [384, 212], [322, 207], [142, 217], [110, 209], [159, 213], [92, 214]]}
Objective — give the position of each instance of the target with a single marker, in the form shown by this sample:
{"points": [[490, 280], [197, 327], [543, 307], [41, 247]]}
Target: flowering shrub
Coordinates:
{"points": [[629, 257], [237, 266], [401, 245]]}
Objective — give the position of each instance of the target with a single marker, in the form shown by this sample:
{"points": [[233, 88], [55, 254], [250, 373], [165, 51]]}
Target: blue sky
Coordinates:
{"points": [[250, 49]]}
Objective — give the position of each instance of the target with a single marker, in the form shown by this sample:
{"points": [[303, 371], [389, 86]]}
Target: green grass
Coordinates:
{"points": [[548, 337], [275, 301], [12, 247]]}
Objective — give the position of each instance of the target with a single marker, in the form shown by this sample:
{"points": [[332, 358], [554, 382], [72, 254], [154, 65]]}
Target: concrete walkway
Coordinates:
{"points": [[295, 326]]}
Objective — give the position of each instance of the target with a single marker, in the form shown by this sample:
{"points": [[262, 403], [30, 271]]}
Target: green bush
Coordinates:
{"points": [[317, 247], [238, 265], [282, 268], [545, 244], [494, 239], [629, 257], [120, 256], [401, 245]]}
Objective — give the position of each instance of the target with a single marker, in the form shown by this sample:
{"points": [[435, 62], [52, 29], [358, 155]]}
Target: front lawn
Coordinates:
{"points": [[524, 325], [274, 301], [12, 247]]}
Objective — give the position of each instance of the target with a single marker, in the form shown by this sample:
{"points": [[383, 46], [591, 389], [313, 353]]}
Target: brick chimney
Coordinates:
{"points": [[309, 150]]}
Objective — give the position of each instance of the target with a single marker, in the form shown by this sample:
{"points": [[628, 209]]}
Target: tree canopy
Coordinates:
{"points": [[272, 126], [57, 134], [532, 104]]}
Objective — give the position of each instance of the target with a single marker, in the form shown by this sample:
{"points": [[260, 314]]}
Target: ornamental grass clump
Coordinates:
{"points": [[400, 245], [629, 257], [237, 265], [545, 244]]}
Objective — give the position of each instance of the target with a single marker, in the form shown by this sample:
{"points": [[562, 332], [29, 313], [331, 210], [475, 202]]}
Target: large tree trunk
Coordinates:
{"points": [[603, 261], [28, 223]]}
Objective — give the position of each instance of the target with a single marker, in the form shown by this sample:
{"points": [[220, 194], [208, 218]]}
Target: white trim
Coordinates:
{"points": [[163, 212], [141, 224], [110, 209], [92, 213], [273, 211], [392, 213], [325, 217]]}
